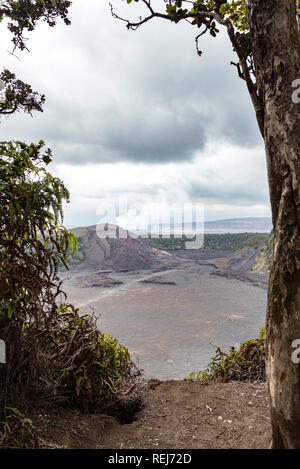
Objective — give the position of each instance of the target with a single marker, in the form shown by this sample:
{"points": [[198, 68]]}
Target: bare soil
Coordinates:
{"points": [[175, 415]]}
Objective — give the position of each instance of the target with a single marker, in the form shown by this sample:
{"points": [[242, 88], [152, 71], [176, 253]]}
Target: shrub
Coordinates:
{"points": [[245, 364], [17, 431], [54, 353], [32, 243], [76, 364]]}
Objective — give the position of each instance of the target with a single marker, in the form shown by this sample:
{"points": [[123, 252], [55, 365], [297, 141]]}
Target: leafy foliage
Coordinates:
{"points": [[222, 242], [245, 364], [17, 431], [234, 241], [206, 15], [76, 363], [32, 243], [268, 251], [18, 96], [265, 257], [31, 204], [76, 256], [23, 15], [55, 353]]}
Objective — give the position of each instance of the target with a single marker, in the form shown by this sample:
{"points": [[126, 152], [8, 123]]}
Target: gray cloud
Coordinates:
{"points": [[233, 195], [114, 95], [172, 125]]}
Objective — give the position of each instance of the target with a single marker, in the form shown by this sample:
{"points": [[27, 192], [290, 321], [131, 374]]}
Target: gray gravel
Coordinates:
{"points": [[172, 330]]}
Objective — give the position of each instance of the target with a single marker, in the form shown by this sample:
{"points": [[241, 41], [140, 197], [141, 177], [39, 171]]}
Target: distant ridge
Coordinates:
{"points": [[231, 225], [250, 224]]}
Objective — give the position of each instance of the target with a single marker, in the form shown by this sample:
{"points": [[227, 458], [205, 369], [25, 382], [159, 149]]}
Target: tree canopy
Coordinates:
{"points": [[23, 16]]}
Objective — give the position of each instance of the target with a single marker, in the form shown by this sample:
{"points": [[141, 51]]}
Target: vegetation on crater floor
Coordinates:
{"points": [[245, 364], [219, 242]]}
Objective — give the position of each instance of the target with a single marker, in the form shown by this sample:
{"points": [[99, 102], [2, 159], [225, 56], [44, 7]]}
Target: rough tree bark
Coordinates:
{"points": [[276, 47]]}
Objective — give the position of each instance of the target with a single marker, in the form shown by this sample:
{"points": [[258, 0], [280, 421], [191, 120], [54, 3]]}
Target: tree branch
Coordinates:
{"points": [[18, 96], [240, 73], [199, 52], [24, 15], [208, 18], [252, 88], [175, 18]]}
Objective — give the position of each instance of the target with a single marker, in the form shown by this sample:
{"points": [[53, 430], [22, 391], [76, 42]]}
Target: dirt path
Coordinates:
{"points": [[177, 414]]}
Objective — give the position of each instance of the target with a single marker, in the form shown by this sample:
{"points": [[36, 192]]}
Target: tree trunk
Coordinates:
{"points": [[276, 46]]}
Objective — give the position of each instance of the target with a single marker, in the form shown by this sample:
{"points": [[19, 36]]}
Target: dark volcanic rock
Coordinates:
{"points": [[158, 281], [97, 281]]}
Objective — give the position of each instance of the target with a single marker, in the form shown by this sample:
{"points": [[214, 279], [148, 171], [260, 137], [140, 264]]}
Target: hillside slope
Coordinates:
{"points": [[116, 253], [248, 264]]}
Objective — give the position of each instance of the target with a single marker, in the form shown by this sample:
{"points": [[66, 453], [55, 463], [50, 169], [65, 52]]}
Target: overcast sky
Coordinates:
{"points": [[139, 115]]}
